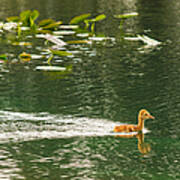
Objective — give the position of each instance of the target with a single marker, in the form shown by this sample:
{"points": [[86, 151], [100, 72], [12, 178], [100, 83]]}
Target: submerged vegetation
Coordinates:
{"points": [[59, 39]]}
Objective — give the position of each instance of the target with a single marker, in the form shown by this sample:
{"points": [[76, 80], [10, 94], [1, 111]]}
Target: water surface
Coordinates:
{"points": [[60, 127]]}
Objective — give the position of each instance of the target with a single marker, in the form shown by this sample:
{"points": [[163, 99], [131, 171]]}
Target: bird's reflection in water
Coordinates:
{"points": [[143, 147]]}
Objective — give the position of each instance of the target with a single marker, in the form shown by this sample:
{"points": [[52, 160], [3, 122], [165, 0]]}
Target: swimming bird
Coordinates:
{"points": [[143, 115]]}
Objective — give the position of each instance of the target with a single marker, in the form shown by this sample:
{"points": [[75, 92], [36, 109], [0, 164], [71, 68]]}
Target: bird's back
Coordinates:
{"points": [[126, 128]]}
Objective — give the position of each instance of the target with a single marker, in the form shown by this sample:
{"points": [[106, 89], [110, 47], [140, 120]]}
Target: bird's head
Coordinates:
{"points": [[144, 114]]}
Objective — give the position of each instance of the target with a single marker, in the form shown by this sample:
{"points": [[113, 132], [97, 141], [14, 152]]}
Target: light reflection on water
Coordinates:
{"points": [[9, 168]]}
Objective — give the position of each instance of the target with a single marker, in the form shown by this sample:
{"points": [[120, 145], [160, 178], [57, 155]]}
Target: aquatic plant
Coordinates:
{"points": [[24, 30], [26, 18], [78, 19], [124, 17], [88, 22], [3, 57]]}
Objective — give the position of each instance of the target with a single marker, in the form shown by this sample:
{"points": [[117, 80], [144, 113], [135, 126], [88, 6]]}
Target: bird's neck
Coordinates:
{"points": [[140, 123]]}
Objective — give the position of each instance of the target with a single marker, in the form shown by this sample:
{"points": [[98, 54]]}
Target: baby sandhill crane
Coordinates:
{"points": [[143, 115]]}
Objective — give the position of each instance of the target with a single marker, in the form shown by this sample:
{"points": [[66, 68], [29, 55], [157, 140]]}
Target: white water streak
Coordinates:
{"points": [[17, 126]]}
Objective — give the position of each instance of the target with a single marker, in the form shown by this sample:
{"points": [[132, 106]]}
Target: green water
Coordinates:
{"points": [[60, 127]]}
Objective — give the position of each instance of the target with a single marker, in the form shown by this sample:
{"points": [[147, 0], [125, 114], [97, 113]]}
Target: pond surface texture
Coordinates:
{"points": [[60, 126]]}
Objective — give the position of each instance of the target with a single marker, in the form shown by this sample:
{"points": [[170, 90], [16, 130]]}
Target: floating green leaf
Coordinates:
{"points": [[34, 15], [53, 25], [13, 19], [19, 30], [25, 57], [32, 24], [44, 31], [49, 59], [24, 17], [99, 18], [125, 16], [3, 57], [87, 24], [93, 27], [79, 42], [91, 22], [60, 53], [46, 22], [80, 18], [28, 18]]}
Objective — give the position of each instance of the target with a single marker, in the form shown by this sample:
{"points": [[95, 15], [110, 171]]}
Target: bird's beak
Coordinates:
{"points": [[151, 117]]}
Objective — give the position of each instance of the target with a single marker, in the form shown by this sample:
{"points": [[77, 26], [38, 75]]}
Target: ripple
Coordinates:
{"points": [[8, 166]]}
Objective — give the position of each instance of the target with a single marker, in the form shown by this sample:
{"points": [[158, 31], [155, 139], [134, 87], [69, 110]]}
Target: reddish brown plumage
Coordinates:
{"points": [[126, 128], [143, 115]]}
